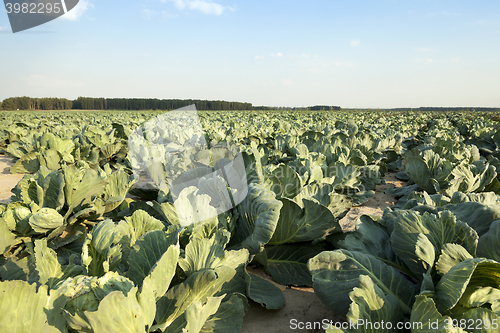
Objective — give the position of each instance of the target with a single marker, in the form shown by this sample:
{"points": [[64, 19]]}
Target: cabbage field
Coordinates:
{"points": [[100, 237]]}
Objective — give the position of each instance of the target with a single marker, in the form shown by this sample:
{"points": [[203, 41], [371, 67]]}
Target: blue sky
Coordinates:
{"points": [[351, 53]]}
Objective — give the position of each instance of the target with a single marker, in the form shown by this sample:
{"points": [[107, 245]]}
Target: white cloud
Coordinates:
{"points": [[287, 82], [455, 60], [78, 11], [277, 55], [258, 57], [179, 4], [206, 7], [149, 14], [355, 42], [3, 28]]}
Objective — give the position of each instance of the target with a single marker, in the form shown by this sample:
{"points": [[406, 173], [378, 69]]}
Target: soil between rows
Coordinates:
{"points": [[302, 305], [7, 180]]}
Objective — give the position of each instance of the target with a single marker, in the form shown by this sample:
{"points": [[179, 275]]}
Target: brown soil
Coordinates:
{"points": [[376, 204], [7, 180], [301, 304]]}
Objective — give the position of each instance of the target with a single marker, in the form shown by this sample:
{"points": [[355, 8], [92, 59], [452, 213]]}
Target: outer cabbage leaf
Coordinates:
{"points": [[258, 217], [369, 304], [83, 185], [7, 238], [204, 253], [418, 239], [336, 273], [451, 255], [119, 183], [424, 311], [286, 183], [19, 269], [153, 257], [29, 163], [121, 312], [476, 215], [287, 263], [50, 272], [24, 309], [264, 292], [300, 225], [469, 275], [338, 204], [198, 287], [371, 236], [428, 170], [229, 316], [139, 223], [489, 243], [135, 226], [196, 315]]}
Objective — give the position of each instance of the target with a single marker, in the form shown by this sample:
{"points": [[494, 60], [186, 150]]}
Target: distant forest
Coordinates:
{"points": [[91, 103]]}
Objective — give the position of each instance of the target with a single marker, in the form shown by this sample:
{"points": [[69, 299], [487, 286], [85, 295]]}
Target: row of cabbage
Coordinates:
{"points": [[432, 262]]}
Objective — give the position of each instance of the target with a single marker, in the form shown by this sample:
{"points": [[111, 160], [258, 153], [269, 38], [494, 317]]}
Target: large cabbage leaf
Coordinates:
{"points": [[297, 224], [26, 308], [258, 218], [336, 273]]}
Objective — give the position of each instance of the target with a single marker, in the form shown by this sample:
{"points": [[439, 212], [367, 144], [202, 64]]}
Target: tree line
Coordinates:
{"points": [[29, 103], [91, 103]]}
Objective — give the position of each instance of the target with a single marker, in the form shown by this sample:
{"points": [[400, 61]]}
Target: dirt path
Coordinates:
{"points": [[376, 204], [301, 304], [7, 180]]}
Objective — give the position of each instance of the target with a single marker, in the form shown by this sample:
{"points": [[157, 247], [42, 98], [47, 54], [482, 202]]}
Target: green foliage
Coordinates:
{"points": [[78, 254], [431, 248]]}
